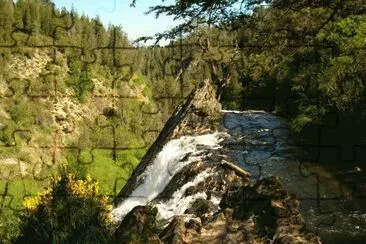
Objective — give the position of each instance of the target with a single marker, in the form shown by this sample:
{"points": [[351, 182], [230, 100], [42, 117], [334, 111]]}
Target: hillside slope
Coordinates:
{"points": [[45, 122]]}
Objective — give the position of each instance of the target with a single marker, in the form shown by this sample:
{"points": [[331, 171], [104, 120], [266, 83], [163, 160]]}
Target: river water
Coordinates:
{"points": [[260, 142], [333, 207], [170, 160]]}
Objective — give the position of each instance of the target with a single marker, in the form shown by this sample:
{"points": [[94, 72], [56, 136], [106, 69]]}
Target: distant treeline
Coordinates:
{"points": [[303, 59]]}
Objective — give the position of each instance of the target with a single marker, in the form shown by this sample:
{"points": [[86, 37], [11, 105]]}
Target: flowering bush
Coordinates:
{"points": [[70, 210]]}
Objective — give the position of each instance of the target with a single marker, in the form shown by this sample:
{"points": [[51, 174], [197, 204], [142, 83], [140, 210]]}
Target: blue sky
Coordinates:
{"points": [[118, 12]]}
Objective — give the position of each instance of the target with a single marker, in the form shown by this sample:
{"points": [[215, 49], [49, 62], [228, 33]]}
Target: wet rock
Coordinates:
{"points": [[258, 213], [187, 174], [215, 229], [139, 226], [228, 208], [194, 224], [201, 207], [274, 213], [175, 232]]}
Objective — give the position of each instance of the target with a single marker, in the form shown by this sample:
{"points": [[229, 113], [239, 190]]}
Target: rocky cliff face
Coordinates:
{"points": [[203, 196]]}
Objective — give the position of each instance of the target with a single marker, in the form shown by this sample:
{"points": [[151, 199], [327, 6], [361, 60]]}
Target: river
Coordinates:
{"points": [[259, 142], [333, 206]]}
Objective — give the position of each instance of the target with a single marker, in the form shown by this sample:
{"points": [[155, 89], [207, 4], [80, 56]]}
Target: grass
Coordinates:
{"points": [[19, 188], [35, 119], [112, 175], [12, 204]]}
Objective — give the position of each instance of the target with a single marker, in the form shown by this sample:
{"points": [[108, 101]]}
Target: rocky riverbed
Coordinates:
{"points": [[261, 144], [190, 188]]}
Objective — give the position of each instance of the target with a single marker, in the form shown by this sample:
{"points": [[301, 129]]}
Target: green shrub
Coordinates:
{"points": [[71, 211]]}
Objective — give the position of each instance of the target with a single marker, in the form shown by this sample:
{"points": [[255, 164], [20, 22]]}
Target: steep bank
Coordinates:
{"points": [[187, 189]]}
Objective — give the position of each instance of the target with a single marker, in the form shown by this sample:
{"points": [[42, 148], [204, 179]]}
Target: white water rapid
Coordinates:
{"points": [[174, 156], [178, 203], [259, 142]]}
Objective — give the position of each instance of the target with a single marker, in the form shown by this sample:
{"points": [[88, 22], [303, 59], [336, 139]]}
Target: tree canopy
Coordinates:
{"points": [[304, 59]]}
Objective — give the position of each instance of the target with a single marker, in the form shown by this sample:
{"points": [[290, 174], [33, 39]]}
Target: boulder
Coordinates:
{"points": [[138, 226]]}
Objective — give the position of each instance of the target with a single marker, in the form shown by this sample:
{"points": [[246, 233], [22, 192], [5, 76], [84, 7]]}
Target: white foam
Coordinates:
{"points": [[242, 112], [178, 203], [174, 156]]}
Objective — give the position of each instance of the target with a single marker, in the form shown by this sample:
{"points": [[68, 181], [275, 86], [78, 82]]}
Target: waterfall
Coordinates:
{"points": [[174, 156], [178, 203]]}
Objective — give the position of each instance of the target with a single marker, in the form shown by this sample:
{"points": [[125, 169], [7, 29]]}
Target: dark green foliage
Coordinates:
{"points": [[81, 83], [26, 26], [302, 59], [70, 212]]}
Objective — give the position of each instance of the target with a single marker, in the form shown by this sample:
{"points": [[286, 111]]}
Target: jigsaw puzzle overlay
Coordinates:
{"points": [[80, 94]]}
